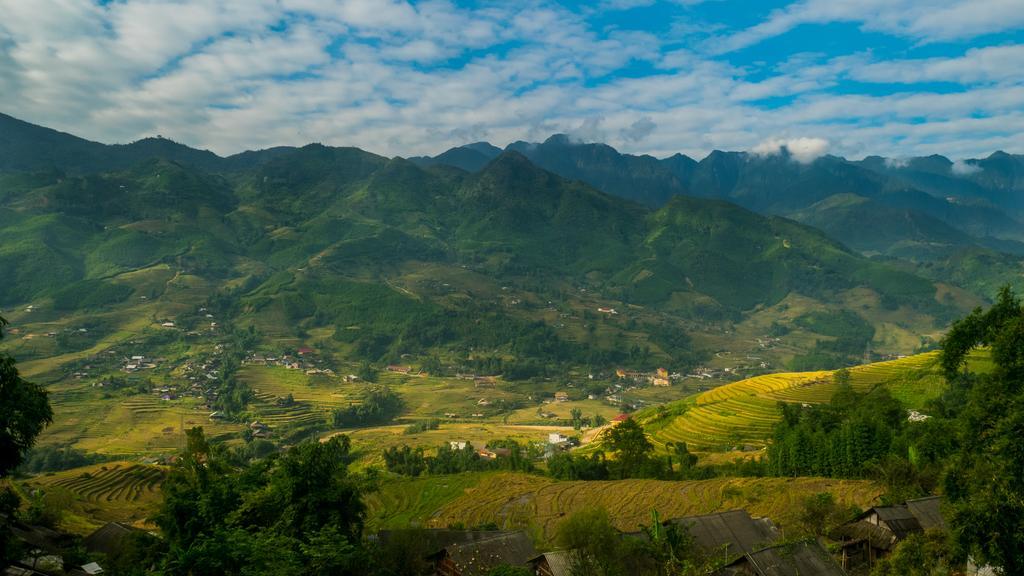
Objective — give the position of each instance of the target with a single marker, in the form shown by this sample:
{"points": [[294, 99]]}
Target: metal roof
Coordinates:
{"points": [[478, 557], [732, 533], [559, 562], [806, 558], [927, 512]]}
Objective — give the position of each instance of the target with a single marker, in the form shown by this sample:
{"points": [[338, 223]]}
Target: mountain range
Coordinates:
{"points": [[477, 248], [928, 207]]}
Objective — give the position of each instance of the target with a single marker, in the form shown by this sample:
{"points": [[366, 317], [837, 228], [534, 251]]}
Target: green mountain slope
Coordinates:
{"points": [[376, 258], [870, 226]]}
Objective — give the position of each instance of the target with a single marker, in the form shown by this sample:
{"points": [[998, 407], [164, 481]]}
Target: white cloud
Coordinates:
{"points": [[963, 168], [409, 78], [928, 21], [803, 150], [988, 64]]}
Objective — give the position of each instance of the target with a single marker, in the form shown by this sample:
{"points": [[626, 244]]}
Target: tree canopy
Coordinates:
{"points": [[984, 484], [24, 412]]}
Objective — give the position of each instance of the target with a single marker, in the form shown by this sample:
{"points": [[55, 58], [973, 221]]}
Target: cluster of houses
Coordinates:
{"points": [[705, 373], [660, 377], [488, 453], [304, 359], [138, 362], [740, 544]]}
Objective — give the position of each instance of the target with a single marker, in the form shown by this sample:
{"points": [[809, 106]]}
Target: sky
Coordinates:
{"points": [[896, 78]]}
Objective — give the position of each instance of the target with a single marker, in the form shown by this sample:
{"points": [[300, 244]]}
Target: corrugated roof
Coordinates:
{"points": [[109, 538], [478, 557], [891, 513], [436, 539], [897, 518], [559, 562], [927, 512], [807, 558], [860, 530], [734, 530]]}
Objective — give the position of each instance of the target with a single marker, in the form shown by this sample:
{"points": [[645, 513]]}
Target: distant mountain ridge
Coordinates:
{"points": [[981, 199], [480, 202]]}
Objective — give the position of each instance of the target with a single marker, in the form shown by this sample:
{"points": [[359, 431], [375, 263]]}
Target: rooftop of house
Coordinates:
{"points": [[109, 538], [913, 516], [731, 533], [476, 558], [793, 559], [559, 562]]}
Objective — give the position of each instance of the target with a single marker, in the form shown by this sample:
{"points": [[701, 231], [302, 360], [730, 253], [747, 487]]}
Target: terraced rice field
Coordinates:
{"points": [[744, 412], [521, 500], [114, 483], [113, 491], [298, 414]]}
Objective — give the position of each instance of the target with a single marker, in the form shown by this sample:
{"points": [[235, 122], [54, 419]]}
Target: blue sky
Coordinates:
{"points": [[848, 77]]}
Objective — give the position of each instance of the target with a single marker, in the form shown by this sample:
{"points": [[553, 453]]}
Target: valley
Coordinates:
{"points": [[469, 342]]}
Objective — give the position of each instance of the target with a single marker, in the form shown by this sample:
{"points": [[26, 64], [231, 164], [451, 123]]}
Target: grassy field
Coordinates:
{"points": [[743, 413], [525, 501], [113, 491]]}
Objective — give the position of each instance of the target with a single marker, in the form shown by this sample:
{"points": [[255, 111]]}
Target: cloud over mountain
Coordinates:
{"points": [[802, 150], [409, 78]]}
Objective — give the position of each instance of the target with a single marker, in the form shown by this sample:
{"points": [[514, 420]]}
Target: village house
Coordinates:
{"points": [[484, 381], [556, 438], [458, 444], [729, 534], [110, 538], [561, 396], [399, 369], [478, 557], [494, 453], [554, 563], [793, 559], [875, 533]]}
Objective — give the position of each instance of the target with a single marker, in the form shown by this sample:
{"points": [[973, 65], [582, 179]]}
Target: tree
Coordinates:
{"points": [[687, 460], [984, 483], [820, 513], [367, 372], [297, 512], [841, 376], [577, 418], [593, 543], [631, 447], [919, 554], [24, 412]]}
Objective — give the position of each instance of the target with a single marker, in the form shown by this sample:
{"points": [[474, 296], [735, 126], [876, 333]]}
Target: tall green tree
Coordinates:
{"points": [[297, 512], [984, 484], [593, 542], [628, 441], [24, 412]]}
